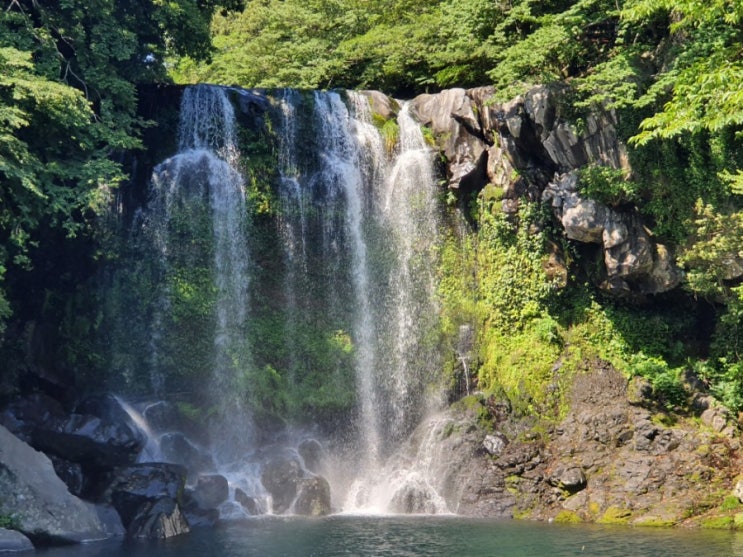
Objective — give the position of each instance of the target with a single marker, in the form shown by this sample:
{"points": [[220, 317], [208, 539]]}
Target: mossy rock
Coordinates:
{"points": [[615, 515], [730, 503], [568, 517], [718, 523], [654, 521]]}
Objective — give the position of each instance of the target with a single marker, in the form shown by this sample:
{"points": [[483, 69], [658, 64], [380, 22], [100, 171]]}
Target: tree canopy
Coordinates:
{"points": [[68, 76]]}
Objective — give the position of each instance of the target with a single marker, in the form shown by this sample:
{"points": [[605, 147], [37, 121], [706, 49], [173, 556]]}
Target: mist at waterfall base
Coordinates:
{"points": [[351, 260], [420, 537]]}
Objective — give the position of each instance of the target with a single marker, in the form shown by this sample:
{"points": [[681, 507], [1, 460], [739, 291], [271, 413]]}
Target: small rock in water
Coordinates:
{"points": [[247, 502], [12, 542], [280, 477], [211, 490], [412, 499], [314, 497]]}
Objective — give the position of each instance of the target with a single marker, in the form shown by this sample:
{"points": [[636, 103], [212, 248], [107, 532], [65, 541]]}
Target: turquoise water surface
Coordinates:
{"points": [[419, 536]]}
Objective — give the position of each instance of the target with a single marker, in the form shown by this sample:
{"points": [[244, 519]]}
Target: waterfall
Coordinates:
{"points": [[341, 174], [333, 305], [363, 223], [197, 216], [411, 214]]}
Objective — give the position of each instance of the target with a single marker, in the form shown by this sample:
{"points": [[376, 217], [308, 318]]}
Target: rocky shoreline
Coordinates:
{"points": [[614, 458]]}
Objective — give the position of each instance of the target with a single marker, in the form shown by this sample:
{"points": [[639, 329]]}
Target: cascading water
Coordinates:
{"points": [[370, 217], [407, 211], [346, 297], [194, 193]]}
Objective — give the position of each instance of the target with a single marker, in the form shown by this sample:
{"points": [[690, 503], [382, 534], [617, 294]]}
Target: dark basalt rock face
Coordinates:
{"points": [[147, 497], [158, 519], [529, 150], [608, 460], [293, 488]]}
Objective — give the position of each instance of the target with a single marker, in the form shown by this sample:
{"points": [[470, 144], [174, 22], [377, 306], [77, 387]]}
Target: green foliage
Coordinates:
{"points": [[667, 386], [9, 521], [68, 101], [714, 254], [608, 185]]}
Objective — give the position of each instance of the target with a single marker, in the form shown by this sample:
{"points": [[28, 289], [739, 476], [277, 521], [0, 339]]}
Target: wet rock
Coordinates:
{"points": [[94, 442], [14, 542], [211, 491], [163, 417], [71, 473], [110, 520], [36, 411], [381, 104], [495, 443], [313, 498], [178, 449], [158, 520], [132, 486], [195, 514], [311, 452], [414, 498], [247, 502], [30, 489], [281, 477]]}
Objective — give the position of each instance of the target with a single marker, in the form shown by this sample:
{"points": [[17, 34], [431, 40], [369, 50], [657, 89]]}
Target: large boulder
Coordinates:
{"points": [[98, 435], [414, 499], [281, 476], [248, 503], [312, 454], [177, 448], [314, 497], [45, 510], [158, 520], [91, 441], [631, 259], [163, 417], [528, 148], [211, 490], [132, 488], [451, 116], [35, 411], [13, 542]]}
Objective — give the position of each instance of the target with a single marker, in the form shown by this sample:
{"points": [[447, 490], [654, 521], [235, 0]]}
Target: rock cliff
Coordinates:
{"points": [[528, 149], [610, 460]]}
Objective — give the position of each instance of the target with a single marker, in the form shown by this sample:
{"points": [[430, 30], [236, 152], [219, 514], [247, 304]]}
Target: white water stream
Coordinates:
{"points": [[358, 228]]}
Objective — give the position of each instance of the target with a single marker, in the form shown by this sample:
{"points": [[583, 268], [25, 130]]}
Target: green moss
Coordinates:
{"points": [[10, 521], [568, 517], [473, 406], [615, 515], [512, 484], [654, 522], [730, 503], [718, 523]]}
